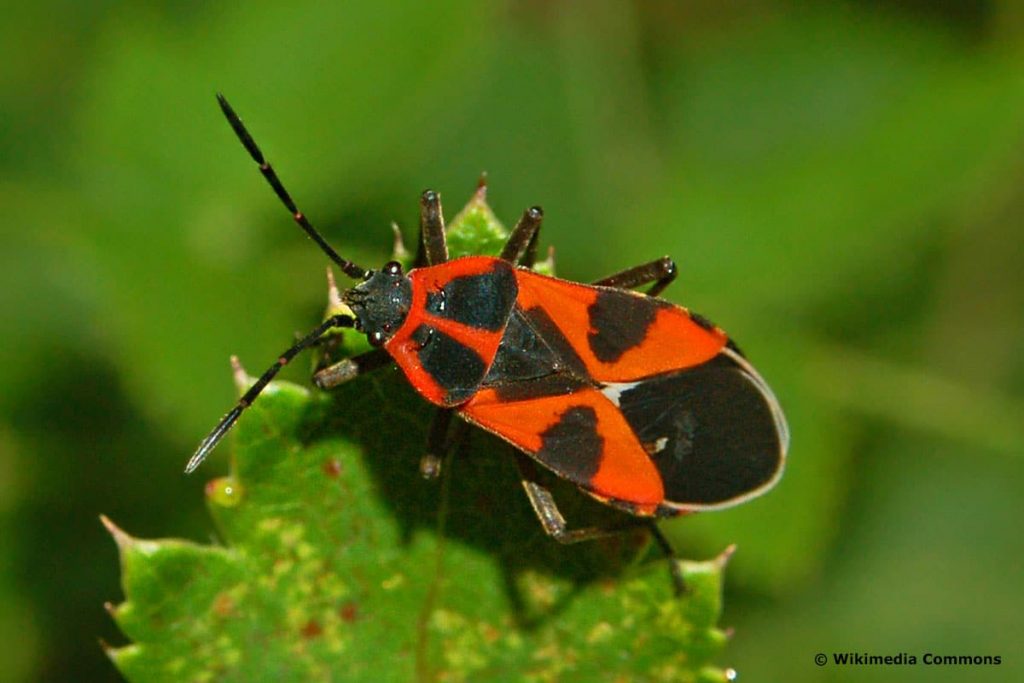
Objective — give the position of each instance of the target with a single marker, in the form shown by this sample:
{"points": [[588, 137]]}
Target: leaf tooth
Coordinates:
{"points": [[724, 557], [398, 251], [242, 379], [123, 540]]}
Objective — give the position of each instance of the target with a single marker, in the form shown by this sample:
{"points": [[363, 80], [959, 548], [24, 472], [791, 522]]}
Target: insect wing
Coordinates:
{"points": [[580, 436], [714, 432], [646, 405], [620, 335]]}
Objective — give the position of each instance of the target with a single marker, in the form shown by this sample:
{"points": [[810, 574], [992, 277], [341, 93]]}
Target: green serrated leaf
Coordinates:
{"points": [[475, 229], [340, 563]]}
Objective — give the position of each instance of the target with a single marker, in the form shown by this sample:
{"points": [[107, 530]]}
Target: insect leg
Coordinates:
{"points": [[440, 441], [554, 524], [437, 443], [433, 247], [670, 555], [660, 271], [550, 516], [350, 368], [226, 422], [521, 248]]}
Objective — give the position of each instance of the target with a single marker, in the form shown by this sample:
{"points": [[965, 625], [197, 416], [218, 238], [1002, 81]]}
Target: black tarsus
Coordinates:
{"points": [[351, 269], [226, 422]]}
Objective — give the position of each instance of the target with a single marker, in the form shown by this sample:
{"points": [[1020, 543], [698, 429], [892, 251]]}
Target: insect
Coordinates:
{"points": [[640, 403]]}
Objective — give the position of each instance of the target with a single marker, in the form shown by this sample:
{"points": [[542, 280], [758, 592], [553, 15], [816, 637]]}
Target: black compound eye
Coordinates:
{"points": [[376, 338], [392, 268]]}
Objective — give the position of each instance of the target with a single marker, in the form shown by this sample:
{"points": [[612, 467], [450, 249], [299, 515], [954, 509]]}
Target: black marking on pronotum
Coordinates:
{"points": [[422, 335], [436, 303], [456, 368], [618, 323], [572, 447], [481, 301], [721, 438]]}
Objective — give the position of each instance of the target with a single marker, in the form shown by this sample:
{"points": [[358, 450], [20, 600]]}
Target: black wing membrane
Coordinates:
{"points": [[714, 431]]}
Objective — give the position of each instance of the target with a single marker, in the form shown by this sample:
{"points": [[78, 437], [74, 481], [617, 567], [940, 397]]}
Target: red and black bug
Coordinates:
{"points": [[638, 402]]}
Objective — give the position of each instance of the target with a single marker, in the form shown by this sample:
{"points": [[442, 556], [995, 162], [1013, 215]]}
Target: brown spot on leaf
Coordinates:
{"points": [[332, 467], [223, 605], [348, 612], [490, 633], [312, 629]]}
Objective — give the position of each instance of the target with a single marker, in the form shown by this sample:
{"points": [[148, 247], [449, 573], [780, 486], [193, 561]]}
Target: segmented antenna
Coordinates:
{"points": [[354, 271], [228, 421]]}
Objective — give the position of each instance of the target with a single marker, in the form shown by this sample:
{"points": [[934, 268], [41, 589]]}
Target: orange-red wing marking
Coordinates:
{"points": [[581, 436], [620, 335]]}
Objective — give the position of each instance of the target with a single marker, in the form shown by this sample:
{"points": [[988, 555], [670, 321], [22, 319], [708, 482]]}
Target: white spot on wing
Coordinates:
{"points": [[613, 390]]}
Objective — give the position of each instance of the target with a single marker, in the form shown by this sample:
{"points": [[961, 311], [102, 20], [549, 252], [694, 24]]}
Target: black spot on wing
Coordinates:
{"points": [[457, 368], [711, 327], [702, 322], [572, 447], [618, 322], [717, 436], [481, 301]]}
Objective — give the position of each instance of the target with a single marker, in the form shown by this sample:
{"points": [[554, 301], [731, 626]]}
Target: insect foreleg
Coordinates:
{"points": [[350, 368]]}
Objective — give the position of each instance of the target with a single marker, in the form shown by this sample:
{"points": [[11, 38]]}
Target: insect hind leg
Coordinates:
{"points": [[554, 524]]}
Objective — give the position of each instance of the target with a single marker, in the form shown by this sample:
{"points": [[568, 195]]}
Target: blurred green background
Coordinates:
{"points": [[841, 185]]}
